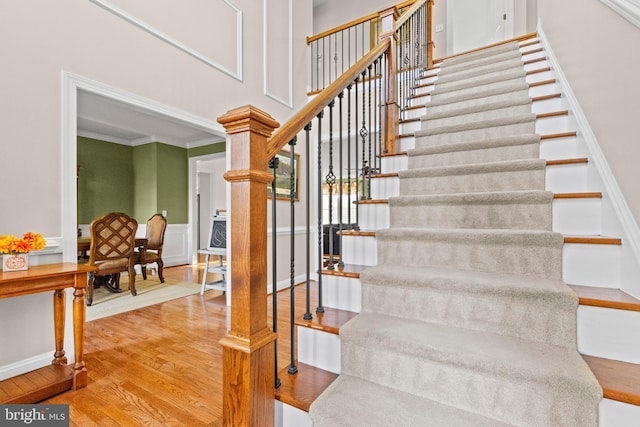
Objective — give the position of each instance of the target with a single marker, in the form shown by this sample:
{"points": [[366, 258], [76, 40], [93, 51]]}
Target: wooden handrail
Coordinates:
{"points": [[287, 132], [407, 13], [355, 22]]}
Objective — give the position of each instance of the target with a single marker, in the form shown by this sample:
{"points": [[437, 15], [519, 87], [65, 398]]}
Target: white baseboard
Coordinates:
{"points": [[25, 365]]}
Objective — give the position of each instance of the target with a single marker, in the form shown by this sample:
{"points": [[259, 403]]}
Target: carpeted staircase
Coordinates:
{"points": [[465, 320]]}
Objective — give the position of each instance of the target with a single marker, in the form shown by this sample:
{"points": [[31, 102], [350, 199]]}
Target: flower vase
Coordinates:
{"points": [[15, 262]]}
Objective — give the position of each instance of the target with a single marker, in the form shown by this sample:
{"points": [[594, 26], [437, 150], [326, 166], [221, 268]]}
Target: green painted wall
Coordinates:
{"points": [[140, 181], [104, 180], [219, 147], [145, 181], [173, 183]]}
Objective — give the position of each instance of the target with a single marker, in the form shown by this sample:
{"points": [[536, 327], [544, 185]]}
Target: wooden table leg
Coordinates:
{"points": [[59, 305], [79, 314]]}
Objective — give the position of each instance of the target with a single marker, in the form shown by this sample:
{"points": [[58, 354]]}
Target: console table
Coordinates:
{"points": [[47, 381]]}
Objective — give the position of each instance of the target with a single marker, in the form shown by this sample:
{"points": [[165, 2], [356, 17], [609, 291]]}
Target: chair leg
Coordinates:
{"points": [[132, 281], [89, 296], [160, 267], [143, 267]]}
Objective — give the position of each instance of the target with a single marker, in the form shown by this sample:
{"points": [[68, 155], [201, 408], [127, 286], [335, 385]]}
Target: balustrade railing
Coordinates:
{"points": [[334, 51], [353, 123]]}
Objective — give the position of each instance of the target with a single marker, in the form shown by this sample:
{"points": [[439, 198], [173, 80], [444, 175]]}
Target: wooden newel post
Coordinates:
{"points": [[388, 18], [248, 376]]}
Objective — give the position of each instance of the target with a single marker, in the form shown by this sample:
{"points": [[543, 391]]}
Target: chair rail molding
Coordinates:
{"points": [[288, 102], [236, 74], [629, 9]]}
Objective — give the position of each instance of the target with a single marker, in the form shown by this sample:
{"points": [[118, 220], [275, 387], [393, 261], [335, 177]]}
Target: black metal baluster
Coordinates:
{"points": [[273, 164], [320, 308], [349, 155], [293, 369], [363, 134], [356, 156], [340, 181], [331, 181], [369, 163], [307, 314]]}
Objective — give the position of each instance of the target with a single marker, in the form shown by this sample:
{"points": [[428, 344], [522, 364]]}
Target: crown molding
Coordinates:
{"points": [[103, 137], [236, 74], [288, 102], [629, 9]]}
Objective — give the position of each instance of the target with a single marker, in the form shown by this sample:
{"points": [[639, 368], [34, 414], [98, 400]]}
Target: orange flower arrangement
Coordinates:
{"points": [[10, 244]]}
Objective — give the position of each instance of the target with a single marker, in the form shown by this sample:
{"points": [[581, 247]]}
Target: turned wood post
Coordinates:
{"points": [[387, 30], [247, 355]]}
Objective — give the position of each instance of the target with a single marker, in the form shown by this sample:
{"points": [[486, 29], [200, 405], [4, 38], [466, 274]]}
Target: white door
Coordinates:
{"points": [[475, 23]]}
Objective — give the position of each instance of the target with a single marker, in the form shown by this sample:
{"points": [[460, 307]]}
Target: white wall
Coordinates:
{"points": [[144, 48], [598, 52]]}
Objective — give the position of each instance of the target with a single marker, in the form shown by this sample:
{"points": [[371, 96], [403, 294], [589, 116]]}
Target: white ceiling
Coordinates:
{"points": [[115, 121]]}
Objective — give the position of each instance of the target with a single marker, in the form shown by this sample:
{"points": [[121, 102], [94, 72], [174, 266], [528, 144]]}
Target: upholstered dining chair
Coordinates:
{"points": [[111, 251], [151, 251]]}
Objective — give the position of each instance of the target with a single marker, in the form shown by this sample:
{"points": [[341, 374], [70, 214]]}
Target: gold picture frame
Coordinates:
{"points": [[283, 180]]}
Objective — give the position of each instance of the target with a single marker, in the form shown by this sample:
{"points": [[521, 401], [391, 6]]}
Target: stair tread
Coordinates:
{"points": [[329, 321], [376, 405], [347, 270], [619, 380], [301, 389], [520, 359], [476, 282], [606, 297], [593, 240]]}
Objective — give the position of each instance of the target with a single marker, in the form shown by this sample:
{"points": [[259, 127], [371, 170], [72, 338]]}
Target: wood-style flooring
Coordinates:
{"points": [[162, 365]]}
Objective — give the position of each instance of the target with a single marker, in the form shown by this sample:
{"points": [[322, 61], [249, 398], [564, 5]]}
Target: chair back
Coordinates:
{"points": [[112, 237], [156, 227]]}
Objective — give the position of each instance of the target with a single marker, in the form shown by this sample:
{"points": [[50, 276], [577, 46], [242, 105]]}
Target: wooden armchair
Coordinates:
{"points": [[111, 251], [152, 251]]}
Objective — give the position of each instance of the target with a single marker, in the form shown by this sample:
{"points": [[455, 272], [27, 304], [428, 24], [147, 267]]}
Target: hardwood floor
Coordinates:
{"points": [[162, 365]]}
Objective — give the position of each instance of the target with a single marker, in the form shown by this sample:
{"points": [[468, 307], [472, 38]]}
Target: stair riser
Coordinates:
{"points": [[496, 154], [374, 216], [558, 124], [501, 216], [530, 319], [394, 164], [547, 89], [549, 105], [577, 216], [539, 77], [319, 349], [359, 250], [410, 127], [591, 265], [497, 257], [464, 388], [474, 134], [494, 181], [500, 113], [569, 179], [343, 293], [383, 188], [609, 333], [617, 414], [414, 113], [560, 148], [288, 416]]}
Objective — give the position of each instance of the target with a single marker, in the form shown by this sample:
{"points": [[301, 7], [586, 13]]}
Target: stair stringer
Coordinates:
{"points": [[617, 219]]}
